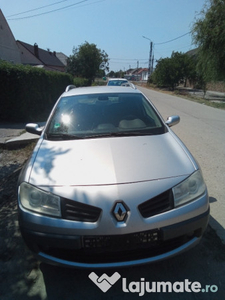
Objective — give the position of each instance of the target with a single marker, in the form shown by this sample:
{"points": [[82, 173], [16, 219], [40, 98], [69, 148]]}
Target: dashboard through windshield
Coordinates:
{"points": [[100, 115]]}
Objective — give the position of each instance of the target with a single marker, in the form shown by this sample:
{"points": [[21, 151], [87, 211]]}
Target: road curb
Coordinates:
{"points": [[18, 142]]}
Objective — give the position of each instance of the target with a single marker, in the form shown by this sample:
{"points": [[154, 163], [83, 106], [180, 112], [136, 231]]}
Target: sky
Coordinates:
{"points": [[115, 26]]}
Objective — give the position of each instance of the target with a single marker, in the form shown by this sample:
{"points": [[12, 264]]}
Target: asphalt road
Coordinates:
{"points": [[202, 129]]}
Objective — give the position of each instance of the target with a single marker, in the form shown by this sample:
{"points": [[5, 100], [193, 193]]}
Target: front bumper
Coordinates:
{"points": [[117, 250]]}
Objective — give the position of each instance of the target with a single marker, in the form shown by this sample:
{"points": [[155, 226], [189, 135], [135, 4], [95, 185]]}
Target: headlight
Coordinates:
{"points": [[39, 201], [190, 189]]}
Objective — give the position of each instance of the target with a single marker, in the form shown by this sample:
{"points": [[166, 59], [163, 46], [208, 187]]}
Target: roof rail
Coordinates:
{"points": [[70, 87], [130, 84]]}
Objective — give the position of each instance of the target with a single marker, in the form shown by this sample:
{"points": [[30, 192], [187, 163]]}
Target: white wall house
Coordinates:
{"points": [[9, 50]]}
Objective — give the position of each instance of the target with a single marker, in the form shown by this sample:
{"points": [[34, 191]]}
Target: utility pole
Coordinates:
{"points": [[151, 57], [152, 63]]}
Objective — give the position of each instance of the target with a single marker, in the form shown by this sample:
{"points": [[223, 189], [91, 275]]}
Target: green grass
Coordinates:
{"points": [[187, 96], [220, 105]]}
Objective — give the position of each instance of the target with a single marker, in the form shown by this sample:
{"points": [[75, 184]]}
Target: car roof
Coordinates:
{"points": [[123, 79], [101, 90]]}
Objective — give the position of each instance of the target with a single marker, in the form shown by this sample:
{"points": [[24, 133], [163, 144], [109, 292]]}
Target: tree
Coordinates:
{"points": [[164, 74], [170, 71], [118, 74], [111, 74], [208, 33], [87, 61]]}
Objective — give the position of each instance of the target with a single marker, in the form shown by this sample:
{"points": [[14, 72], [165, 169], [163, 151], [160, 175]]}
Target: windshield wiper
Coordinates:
{"points": [[63, 136], [131, 133], [117, 134]]}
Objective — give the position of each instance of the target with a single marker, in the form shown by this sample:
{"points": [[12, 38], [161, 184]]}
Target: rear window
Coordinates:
{"points": [[117, 82]]}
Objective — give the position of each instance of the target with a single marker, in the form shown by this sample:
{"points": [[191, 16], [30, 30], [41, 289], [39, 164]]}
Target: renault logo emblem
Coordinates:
{"points": [[120, 211]]}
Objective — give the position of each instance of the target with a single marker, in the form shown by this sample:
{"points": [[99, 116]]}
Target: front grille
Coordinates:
{"points": [[157, 205], [76, 211]]}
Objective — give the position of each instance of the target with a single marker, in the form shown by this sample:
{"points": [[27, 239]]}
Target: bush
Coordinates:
{"points": [[99, 82], [78, 81], [27, 94]]}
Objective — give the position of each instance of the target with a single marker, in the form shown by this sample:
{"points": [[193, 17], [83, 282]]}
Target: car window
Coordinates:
{"points": [[85, 116]]}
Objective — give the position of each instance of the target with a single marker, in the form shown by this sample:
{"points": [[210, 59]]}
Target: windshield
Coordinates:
{"points": [[99, 115]]}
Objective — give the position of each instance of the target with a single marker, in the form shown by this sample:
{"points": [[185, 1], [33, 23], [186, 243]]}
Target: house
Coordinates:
{"points": [[9, 50], [193, 52], [132, 75], [19, 52], [143, 74], [137, 74], [35, 56], [62, 57]]}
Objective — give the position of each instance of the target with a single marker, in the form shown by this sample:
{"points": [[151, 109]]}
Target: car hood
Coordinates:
{"points": [[115, 160]]}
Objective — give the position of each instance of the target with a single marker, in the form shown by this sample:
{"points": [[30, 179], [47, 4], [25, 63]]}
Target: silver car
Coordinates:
{"points": [[109, 184], [118, 82]]}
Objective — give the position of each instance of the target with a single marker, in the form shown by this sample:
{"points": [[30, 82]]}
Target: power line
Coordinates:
{"points": [[172, 47], [48, 12], [24, 12], [173, 39], [51, 11]]}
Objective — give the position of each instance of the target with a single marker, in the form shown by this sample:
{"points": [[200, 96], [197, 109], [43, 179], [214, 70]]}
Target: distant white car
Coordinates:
{"points": [[109, 184], [118, 82]]}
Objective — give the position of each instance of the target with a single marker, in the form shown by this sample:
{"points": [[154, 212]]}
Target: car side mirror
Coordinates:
{"points": [[173, 120], [34, 128]]}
